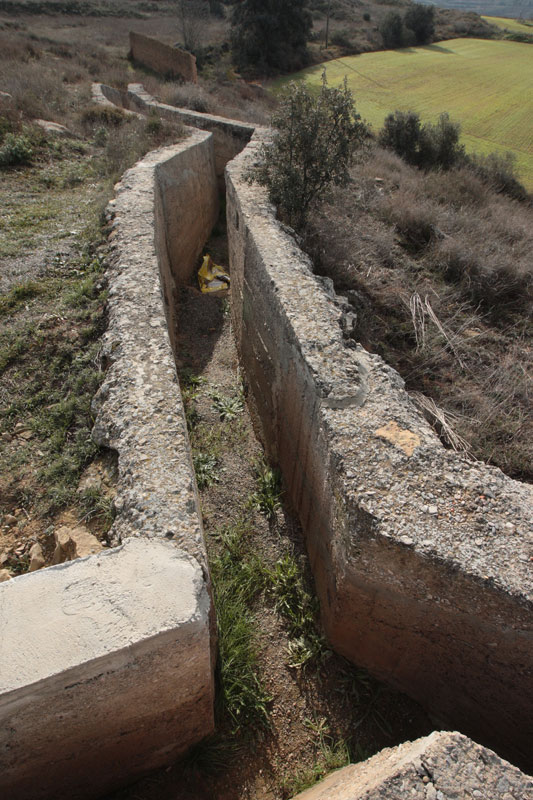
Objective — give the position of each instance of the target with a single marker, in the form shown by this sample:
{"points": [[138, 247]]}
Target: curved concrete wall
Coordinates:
{"points": [[421, 558], [106, 667], [230, 136]]}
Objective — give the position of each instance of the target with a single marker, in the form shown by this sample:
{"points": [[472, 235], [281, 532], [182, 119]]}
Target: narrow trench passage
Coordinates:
{"points": [[298, 722]]}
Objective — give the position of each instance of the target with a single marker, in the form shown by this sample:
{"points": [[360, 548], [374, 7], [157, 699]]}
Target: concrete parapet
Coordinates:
{"points": [[442, 766], [93, 692], [230, 136], [163, 212], [169, 61], [94, 687], [421, 557]]}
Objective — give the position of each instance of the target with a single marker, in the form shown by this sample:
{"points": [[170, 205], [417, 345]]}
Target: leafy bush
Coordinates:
{"points": [[15, 150], [270, 37], [401, 133], [421, 20], [392, 30], [427, 146], [312, 148], [103, 115]]}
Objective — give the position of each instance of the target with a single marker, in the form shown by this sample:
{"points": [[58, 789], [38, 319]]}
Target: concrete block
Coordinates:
{"points": [[442, 766], [105, 670]]}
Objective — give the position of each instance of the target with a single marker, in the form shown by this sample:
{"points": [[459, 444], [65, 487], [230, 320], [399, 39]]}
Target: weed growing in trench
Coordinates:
{"points": [[229, 407], [267, 496], [238, 577], [205, 468], [300, 610], [332, 755]]}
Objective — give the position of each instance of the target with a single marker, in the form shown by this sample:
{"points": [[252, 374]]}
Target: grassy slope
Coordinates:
{"points": [[507, 24], [484, 85]]}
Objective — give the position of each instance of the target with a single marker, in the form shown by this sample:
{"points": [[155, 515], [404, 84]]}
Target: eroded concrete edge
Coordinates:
{"points": [[442, 766], [128, 712], [421, 558]]}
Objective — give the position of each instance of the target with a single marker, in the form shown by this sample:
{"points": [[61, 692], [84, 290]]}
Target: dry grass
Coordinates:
{"points": [[439, 270]]}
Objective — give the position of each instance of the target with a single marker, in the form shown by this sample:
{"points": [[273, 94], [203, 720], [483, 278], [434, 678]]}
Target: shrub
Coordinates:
{"points": [[15, 150], [267, 37], [191, 96], [498, 171], [366, 16], [103, 115], [391, 29], [421, 20], [312, 148], [401, 133], [427, 146]]}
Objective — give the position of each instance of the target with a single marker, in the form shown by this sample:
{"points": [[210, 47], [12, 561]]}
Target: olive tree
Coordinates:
{"points": [[313, 144]]}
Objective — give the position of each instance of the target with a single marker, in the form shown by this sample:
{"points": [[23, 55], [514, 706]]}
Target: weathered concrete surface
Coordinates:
{"points": [[230, 136], [442, 766], [164, 209], [169, 61], [421, 558], [105, 670], [111, 97], [108, 662]]}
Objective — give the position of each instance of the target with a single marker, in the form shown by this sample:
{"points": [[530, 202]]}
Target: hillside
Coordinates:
{"points": [[484, 85], [493, 8]]}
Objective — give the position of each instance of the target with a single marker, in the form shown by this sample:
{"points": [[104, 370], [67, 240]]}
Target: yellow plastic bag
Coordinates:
{"points": [[211, 277]]}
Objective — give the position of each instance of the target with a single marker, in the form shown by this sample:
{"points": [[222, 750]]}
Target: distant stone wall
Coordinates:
{"points": [[422, 559], [442, 766], [168, 61], [106, 667]]}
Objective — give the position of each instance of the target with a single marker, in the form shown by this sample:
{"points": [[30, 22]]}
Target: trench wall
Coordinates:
{"points": [[169, 61], [106, 663], [230, 136], [421, 558]]}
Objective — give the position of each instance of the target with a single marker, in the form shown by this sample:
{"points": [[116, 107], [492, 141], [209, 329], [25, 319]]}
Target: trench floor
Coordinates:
{"points": [[321, 715]]}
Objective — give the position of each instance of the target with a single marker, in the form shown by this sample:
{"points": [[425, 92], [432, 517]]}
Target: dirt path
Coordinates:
{"points": [[321, 715]]}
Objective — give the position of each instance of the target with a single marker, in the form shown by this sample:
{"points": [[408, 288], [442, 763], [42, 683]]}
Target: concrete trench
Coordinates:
{"points": [[434, 602]]}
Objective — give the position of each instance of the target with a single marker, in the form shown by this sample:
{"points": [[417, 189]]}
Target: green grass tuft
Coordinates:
{"points": [[238, 577]]}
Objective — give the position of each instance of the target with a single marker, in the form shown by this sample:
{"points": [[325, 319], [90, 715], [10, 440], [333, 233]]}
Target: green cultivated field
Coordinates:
{"points": [[487, 86], [508, 24]]}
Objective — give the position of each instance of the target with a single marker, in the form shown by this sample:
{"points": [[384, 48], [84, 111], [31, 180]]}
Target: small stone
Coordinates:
{"points": [[406, 540], [10, 519], [431, 792], [36, 557], [74, 543], [433, 510], [509, 527], [479, 542], [4, 575]]}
